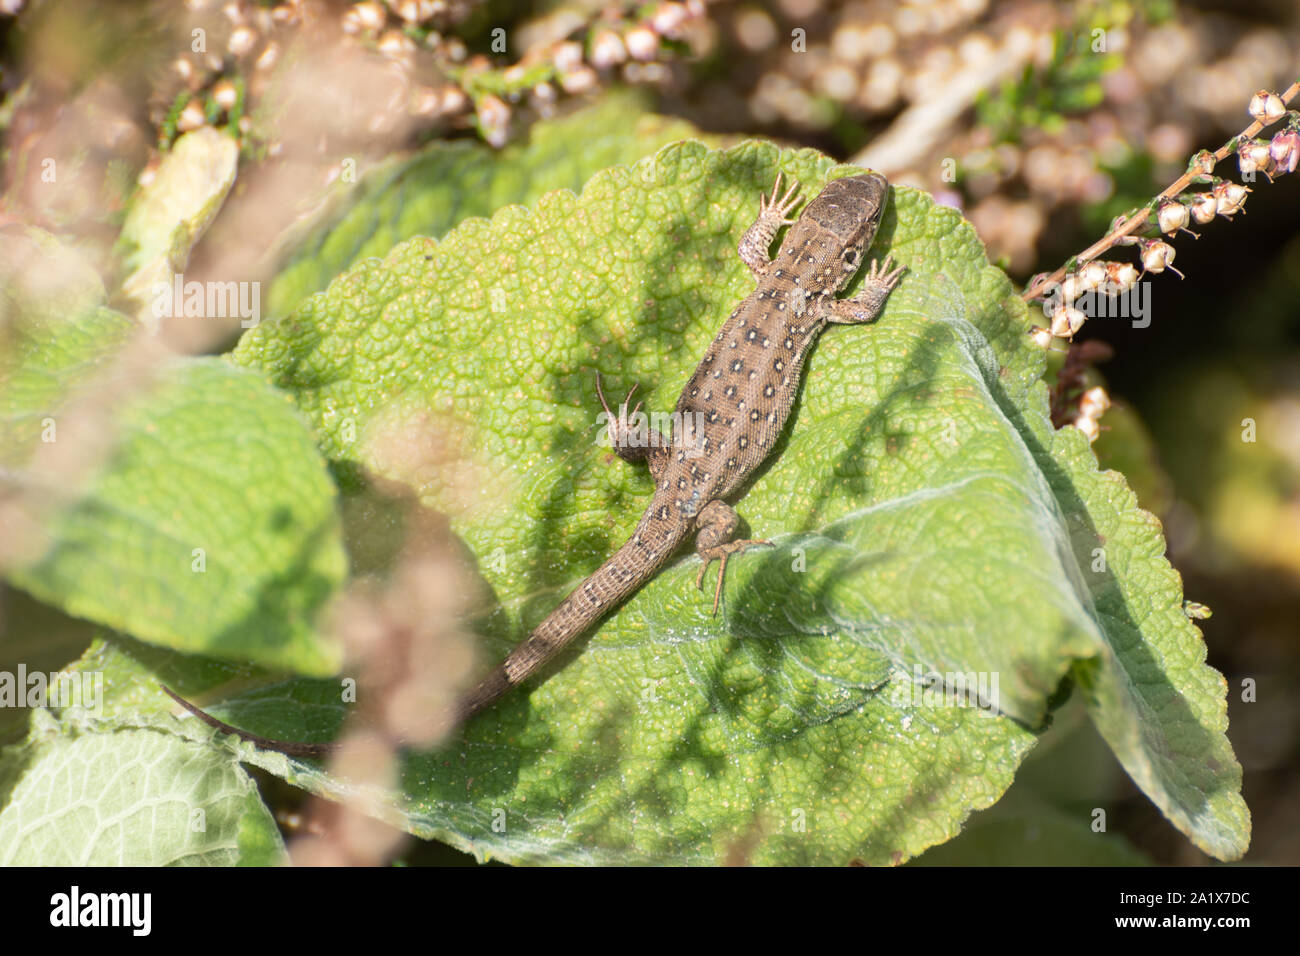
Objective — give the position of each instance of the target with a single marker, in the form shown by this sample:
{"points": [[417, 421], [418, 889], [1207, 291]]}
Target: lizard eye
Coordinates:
{"points": [[851, 258]]}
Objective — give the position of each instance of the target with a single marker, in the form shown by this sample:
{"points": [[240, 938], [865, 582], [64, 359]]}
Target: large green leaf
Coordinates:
{"points": [[448, 181], [927, 518]]}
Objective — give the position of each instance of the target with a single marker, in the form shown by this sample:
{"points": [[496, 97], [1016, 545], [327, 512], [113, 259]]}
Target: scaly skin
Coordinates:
{"points": [[731, 412]]}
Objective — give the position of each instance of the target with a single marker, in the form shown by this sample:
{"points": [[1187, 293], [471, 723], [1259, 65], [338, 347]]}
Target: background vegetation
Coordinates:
{"points": [[331, 132]]}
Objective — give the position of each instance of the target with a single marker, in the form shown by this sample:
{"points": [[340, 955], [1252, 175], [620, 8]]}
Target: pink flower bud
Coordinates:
{"points": [[1285, 151]]}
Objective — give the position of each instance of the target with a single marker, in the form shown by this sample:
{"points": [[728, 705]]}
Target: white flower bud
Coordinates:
{"points": [[1157, 255], [1231, 197], [1121, 277], [607, 50], [225, 94], [1092, 275], [370, 16], [1171, 216], [413, 11], [1267, 107], [668, 18], [242, 39], [578, 81], [1252, 156], [1042, 337], [1067, 321], [395, 45], [642, 43], [494, 120], [1094, 402], [1088, 426], [1204, 207], [1071, 288], [192, 117], [567, 56]]}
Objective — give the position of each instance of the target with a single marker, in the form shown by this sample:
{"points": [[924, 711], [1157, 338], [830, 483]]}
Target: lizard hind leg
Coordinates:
{"points": [[631, 436], [717, 523]]}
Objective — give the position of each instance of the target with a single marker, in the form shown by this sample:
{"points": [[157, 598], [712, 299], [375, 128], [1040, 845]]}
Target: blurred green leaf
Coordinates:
{"points": [[181, 501]]}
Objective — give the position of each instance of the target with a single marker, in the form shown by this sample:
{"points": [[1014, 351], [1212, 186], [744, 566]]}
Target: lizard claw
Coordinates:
{"points": [[616, 426], [722, 553], [782, 205], [881, 272], [605, 405], [601, 395]]}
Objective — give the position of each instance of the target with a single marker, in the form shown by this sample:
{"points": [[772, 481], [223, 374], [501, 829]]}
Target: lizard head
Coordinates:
{"points": [[847, 213]]}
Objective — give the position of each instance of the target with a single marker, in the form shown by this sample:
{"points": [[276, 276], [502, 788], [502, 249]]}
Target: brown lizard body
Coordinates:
{"points": [[730, 413]]}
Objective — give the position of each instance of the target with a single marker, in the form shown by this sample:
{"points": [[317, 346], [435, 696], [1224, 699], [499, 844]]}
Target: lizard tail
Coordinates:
{"points": [[626, 570], [294, 748]]}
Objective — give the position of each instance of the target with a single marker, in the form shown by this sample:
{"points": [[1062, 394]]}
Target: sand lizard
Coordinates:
{"points": [[731, 412]]}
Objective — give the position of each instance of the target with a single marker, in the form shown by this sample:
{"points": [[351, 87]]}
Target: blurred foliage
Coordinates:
{"points": [[1041, 96]]}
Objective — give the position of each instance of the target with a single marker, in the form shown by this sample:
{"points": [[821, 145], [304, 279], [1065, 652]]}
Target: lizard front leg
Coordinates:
{"points": [[717, 523], [866, 305], [633, 444], [756, 244]]}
